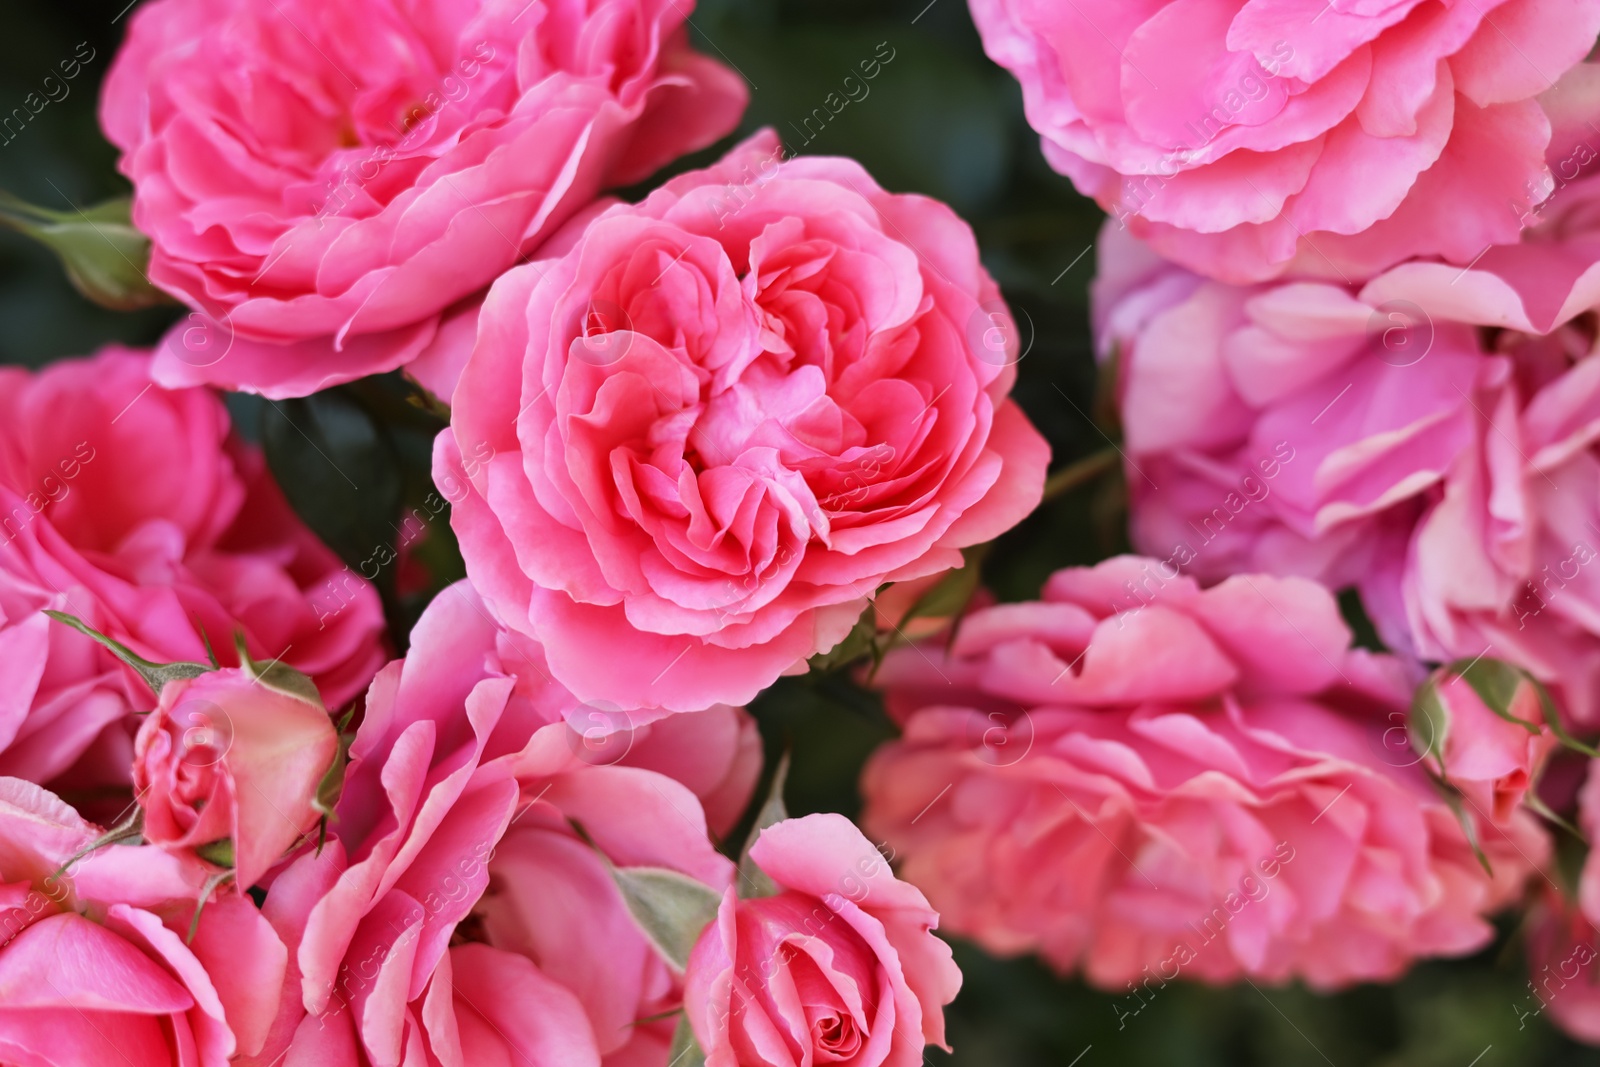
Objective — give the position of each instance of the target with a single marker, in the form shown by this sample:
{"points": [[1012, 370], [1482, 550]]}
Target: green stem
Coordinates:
{"points": [[1082, 472]]}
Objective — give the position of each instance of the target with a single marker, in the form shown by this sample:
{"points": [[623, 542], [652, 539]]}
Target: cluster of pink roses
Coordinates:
{"points": [[692, 439], [1348, 300]]}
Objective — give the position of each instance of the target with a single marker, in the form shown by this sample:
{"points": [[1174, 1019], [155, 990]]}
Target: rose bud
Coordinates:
{"points": [[1492, 758], [840, 965], [236, 756]]}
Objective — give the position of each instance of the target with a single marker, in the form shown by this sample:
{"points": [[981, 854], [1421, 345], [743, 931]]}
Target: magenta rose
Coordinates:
{"points": [[135, 509], [104, 960], [229, 757], [691, 446], [840, 966], [1139, 779], [321, 181], [1248, 139], [1429, 438], [456, 910]]}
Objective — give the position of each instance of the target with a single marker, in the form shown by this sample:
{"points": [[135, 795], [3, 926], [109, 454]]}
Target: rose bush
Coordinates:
{"points": [[135, 509], [1249, 139], [322, 181], [693, 443], [1136, 777]]}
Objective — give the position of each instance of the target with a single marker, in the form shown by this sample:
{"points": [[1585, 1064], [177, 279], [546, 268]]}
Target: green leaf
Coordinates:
{"points": [[155, 675], [859, 642], [278, 676], [104, 255], [753, 881], [1552, 719], [685, 1051], [672, 909]]}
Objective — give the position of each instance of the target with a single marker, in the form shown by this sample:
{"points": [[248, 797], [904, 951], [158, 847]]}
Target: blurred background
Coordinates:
{"points": [[939, 119]]}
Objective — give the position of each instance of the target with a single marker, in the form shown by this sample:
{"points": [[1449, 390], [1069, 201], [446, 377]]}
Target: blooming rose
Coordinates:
{"points": [[134, 509], [329, 177], [456, 827], [840, 966], [97, 961], [1429, 438], [1139, 778], [690, 447], [1318, 136], [228, 757]]}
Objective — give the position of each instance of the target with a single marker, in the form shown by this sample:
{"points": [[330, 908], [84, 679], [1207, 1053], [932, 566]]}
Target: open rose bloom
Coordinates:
{"points": [[134, 509], [1329, 137], [840, 965], [695, 443], [322, 180], [98, 961], [1136, 777], [1428, 438]]}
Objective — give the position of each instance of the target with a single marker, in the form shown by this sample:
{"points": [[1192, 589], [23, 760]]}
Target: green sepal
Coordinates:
{"points": [[155, 675]]}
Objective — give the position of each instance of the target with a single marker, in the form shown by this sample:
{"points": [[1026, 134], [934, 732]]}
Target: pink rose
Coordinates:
{"points": [[134, 509], [229, 757], [456, 828], [1140, 779], [1429, 438], [322, 181], [97, 961], [840, 966], [692, 445], [1563, 976], [1492, 760], [1337, 139]]}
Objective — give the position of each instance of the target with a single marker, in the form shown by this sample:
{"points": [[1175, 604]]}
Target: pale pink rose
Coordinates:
{"points": [[97, 965], [133, 508], [455, 827], [1332, 138], [1141, 780], [691, 446], [1492, 761], [840, 966], [322, 180], [226, 758], [1429, 438]]}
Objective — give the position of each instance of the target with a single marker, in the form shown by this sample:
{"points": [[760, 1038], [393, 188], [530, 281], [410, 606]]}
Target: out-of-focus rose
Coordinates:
{"points": [[322, 181], [691, 447], [840, 966], [1492, 760], [1563, 975], [1244, 140], [134, 509], [1138, 778], [229, 757], [97, 964], [458, 884], [1429, 438]]}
